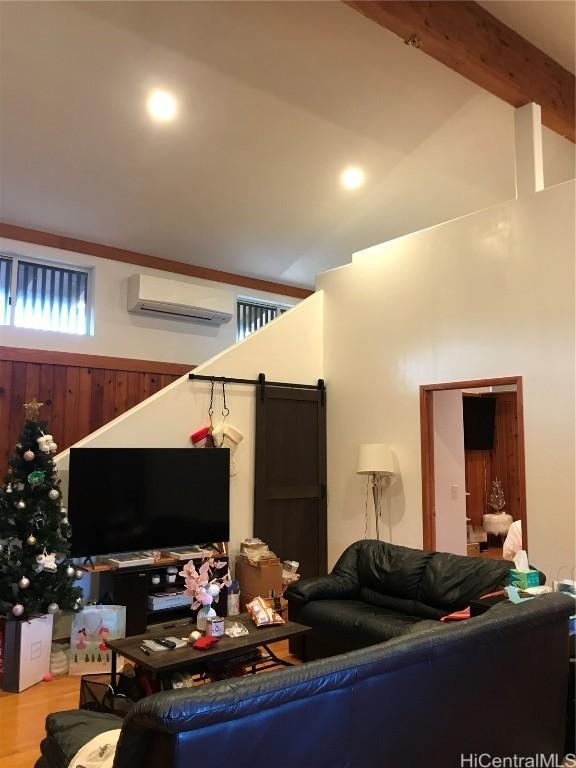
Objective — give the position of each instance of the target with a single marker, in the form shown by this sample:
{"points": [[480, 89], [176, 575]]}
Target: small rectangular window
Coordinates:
{"points": [[5, 280], [252, 315], [51, 298]]}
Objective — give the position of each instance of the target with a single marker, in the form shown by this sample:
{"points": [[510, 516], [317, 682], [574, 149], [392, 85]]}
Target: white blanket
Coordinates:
{"points": [[98, 752]]}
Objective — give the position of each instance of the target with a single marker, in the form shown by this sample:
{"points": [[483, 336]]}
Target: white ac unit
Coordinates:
{"points": [[156, 296]]}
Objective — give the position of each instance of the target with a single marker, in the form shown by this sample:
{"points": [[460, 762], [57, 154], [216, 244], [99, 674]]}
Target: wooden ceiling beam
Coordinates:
{"points": [[469, 40]]}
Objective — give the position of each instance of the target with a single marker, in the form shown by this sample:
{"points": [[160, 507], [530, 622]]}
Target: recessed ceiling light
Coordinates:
{"points": [[352, 177], [162, 106]]}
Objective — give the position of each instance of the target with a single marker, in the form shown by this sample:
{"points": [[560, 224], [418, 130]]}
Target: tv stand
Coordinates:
{"points": [[131, 586]]}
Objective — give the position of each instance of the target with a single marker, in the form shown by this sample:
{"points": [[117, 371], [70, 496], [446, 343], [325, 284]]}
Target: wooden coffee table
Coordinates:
{"points": [[160, 663]]}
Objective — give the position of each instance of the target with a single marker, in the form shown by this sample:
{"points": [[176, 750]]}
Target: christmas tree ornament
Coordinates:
{"points": [[8, 488], [49, 562], [28, 455], [31, 409], [18, 609], [24, 582], [53, 608], [79, 574], [63, 511], [53, 447], [20, 486], [19, 446], [53, 494], [21, 504], [31, 540], [36, 478], [70, 572]]}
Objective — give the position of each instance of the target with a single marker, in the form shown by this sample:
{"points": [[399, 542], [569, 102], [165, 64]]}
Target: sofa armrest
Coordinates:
{"points": [[332, 587], [67, 732]]}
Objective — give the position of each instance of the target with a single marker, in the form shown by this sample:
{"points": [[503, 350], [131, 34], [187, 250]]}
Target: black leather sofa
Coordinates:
{"points": [[379, 591], [495, 684]]}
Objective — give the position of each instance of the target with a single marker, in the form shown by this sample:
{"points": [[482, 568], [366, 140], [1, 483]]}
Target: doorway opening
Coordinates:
{"points": [[473, 473]]}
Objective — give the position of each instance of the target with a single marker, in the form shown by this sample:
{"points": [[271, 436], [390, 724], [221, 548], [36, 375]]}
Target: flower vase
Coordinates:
{"points": [[204, 613]]}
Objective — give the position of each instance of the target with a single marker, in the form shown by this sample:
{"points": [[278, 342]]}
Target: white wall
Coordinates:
{"points": [[118, 333], [288, 349], [487, 295], [449, 471]]}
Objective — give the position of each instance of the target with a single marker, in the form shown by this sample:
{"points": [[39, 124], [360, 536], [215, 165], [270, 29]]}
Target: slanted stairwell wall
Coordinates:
{"points": [[287, 349]]}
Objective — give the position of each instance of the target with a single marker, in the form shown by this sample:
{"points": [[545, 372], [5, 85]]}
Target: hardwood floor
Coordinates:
{"points": [[22, 718], [22, 715]]}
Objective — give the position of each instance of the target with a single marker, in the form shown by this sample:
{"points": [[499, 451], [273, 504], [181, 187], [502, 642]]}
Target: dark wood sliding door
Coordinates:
{"points": [[290, 476]]}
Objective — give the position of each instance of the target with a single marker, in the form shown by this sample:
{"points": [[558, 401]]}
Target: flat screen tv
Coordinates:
{"points": [[134, 499], [479, 422]]}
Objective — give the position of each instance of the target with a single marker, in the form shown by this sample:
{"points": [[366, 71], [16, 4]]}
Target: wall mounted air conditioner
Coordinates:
{"points": [[155, 296]]}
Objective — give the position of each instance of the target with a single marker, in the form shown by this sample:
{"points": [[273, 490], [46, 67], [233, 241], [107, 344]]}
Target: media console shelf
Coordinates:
{"points": [[132, 587]]}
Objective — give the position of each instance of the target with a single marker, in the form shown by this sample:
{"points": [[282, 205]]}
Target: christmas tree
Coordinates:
{"points": [[497, 500], [36, 573]]}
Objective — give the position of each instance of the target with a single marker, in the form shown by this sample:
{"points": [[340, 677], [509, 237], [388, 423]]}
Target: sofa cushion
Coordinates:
{"points": [[391, 570], [400, 604], [451, 581], [350, 618]]}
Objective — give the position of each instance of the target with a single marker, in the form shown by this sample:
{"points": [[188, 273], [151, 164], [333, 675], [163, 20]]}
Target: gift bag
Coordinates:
{"points": [[90, 629], [25, 646]]}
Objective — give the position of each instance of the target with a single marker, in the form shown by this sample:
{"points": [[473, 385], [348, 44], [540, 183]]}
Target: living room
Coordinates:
{"points": [[205, 171]]}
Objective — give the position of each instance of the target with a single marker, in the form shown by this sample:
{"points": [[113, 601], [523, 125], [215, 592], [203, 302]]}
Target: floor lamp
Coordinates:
{"points": [[375, 460]]}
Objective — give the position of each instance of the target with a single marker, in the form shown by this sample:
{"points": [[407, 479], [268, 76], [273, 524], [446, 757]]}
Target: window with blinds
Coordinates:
{"points": [[252, 315], [5, 281], [45, 297]]}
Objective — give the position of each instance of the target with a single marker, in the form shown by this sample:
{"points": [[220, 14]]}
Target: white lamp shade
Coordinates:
{"points": [[375, 458]]}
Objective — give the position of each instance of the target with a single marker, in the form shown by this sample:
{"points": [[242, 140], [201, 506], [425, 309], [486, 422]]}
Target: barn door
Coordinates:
{"points": [[290, 475]]}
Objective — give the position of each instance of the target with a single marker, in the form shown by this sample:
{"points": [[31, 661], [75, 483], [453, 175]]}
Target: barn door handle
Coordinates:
{"points": [[322, 390], [262, 383]]}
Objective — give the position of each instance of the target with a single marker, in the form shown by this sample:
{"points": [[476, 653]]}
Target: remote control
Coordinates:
{"points": [[166, 643]]}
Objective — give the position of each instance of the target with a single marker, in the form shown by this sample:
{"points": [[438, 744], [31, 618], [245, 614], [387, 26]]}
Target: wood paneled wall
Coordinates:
{"points": [[80, 392], [502, 462]]}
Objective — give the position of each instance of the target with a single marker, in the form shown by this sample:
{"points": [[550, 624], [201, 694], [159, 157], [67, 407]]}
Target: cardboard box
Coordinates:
{"points": [[26, 646], [258, 578]]}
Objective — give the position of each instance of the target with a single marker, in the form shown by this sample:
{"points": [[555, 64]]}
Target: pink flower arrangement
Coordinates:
{"points": [[202, 585]]}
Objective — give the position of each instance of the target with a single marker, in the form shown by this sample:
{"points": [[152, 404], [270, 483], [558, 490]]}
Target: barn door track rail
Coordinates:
{"points": [[262, 383]]}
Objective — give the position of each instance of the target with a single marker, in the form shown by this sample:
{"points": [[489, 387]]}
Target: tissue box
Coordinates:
{"points": [[523, 579]]}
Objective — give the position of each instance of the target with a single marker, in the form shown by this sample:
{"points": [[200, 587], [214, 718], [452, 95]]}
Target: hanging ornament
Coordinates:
{"points": [[53, 608], [21, 504], [53, 447], [28, 455], [79, 574], [53, 494], [19, 446], [70, 572], [18, 609], [8, 488], [24, 582], [78, 604], [63, 511], [20, 486], [31, 540], [36, 478]]}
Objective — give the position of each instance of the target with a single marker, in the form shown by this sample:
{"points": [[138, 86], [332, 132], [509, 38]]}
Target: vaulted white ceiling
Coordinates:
{"points": [[275, 99]]}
